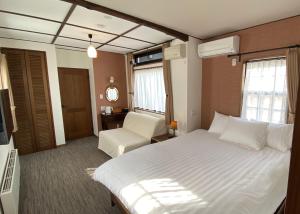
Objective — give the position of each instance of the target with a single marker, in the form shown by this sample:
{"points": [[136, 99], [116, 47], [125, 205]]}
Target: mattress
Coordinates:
{"points": [[197, 173]]}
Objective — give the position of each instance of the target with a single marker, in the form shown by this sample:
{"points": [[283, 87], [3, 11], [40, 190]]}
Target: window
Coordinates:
{"points": [[265, 91], [148, 57], [149, 89]]}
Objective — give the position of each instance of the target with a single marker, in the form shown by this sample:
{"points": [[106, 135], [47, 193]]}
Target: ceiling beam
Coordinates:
{"points": [[151, 47], [64, 22], [106, 10], [29, 16], [131, 29], [70, 46], [66, 37], [100, 43], [27, 40], [28, 31], [73, 25]]}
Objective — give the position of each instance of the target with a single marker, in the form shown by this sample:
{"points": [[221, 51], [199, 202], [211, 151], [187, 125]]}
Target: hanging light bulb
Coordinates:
{"points": [[91, 51]]}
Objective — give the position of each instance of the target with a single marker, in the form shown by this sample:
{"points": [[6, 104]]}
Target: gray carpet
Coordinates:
{"points": [[55, 181]]}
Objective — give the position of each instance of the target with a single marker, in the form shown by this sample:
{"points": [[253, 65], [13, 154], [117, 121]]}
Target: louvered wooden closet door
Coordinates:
{"points": [[40, 99], [24, 137]]}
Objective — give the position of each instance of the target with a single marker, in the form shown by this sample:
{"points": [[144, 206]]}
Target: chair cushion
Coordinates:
{"points": [[115, 142], [144, 125]]}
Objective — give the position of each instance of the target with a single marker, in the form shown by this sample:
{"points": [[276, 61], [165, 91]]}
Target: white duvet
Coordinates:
{"points": [[197, 173]]}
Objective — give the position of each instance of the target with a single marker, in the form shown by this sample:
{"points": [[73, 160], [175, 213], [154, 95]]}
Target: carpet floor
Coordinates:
{"points": [[55, 181]]}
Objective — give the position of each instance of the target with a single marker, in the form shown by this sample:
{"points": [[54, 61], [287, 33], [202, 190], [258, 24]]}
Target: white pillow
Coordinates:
{"points": [[219, 123], [280, 136], [250, 134]]}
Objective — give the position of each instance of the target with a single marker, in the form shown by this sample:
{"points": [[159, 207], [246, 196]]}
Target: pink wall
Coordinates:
{"points": [[105, 65], [222, 83]]}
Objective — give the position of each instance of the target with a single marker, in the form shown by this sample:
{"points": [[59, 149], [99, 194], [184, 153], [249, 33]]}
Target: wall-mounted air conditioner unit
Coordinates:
{"points": [[226, 46], [175, 52]]}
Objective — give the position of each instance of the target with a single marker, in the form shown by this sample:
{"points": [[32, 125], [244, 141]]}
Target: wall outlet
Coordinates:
{"points": [[101, 96]]}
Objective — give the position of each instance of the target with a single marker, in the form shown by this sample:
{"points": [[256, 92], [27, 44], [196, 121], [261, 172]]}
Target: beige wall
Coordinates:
{"points": [[222, 83], [179, 85], [185, 74]]}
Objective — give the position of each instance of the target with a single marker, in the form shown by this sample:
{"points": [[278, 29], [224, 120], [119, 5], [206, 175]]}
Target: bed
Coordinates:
{"points": [[197, 173]]}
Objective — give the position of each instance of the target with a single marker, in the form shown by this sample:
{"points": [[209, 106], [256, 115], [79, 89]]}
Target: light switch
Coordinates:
{"points": [[233, 62], [101, 96]]}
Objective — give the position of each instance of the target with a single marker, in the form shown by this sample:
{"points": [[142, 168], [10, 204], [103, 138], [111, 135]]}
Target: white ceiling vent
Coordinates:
{"points": [[175, 52]]}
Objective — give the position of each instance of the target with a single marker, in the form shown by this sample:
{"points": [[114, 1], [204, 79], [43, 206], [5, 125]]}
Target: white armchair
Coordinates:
{"points": [[137, 131]]}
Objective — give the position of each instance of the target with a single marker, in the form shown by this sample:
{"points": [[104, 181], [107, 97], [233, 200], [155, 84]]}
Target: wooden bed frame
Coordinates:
{"points": [[115, 201]]}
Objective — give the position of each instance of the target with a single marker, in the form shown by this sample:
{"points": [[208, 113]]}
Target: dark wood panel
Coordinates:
{"points": [[6, 108], [40, 99], [111, 121], [24, 137], [293, 193], [76, 102]]}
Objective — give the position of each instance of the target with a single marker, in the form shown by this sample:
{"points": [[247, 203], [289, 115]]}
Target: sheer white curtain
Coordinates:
{"points": [[149, 89], [265, 91]]}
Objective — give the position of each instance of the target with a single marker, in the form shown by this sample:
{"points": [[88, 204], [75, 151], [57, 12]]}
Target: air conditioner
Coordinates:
{"points": [[175, 52], [226, 46]]}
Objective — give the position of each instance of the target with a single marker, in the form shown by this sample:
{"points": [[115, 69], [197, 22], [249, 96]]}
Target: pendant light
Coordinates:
{"points": [[91, 51]]}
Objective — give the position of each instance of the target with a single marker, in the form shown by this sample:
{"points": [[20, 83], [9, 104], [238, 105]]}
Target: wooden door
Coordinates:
{"points": [[24, 137], [39, 93], [76, 102]]}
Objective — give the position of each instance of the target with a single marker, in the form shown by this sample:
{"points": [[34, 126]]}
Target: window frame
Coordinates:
{"points": [[156, 64], [243, 103], [148, 55]]}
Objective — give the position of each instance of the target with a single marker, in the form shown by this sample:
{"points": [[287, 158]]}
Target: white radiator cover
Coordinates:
{"points": [[11, 184]]}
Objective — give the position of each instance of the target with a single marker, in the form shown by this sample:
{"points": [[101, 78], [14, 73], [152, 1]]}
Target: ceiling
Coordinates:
{"points": [[39, 21], [206, 18]]}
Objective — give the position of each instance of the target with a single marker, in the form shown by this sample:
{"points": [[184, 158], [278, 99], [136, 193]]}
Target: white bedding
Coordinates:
{"points": [[197, 173]]}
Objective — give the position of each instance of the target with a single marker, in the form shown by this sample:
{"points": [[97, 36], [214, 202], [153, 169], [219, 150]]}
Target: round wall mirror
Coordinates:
{"points": [[112, 94]]}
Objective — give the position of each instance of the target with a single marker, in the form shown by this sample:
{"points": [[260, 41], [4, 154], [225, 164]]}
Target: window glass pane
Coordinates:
{"points": [[252, 100], [251, 113], [264, 115], [149, 89], [265, 91], [266, 101], [276, 117], [277, 103]]}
